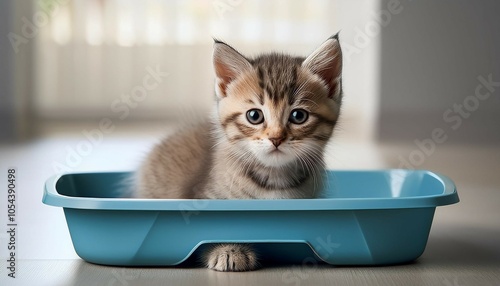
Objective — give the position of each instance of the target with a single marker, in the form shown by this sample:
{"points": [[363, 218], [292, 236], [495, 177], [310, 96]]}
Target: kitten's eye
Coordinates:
{"points": [[255, 116], [298, 116]]}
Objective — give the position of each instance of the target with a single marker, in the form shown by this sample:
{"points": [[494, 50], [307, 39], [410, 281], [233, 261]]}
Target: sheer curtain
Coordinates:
{"points": [[95, 58], [94, 55]]}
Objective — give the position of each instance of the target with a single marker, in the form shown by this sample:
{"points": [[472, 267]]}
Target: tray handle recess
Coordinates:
{"points": [[450, 195], [50, 195]]}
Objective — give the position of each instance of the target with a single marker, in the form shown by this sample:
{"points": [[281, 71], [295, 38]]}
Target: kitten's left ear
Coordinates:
{"points": [[326, 62], [228, 64]]}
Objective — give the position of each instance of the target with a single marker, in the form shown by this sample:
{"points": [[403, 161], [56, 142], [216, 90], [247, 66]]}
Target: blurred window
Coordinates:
{"points": [[94, 56]]}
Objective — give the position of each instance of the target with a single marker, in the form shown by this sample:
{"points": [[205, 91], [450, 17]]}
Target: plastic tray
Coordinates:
{"points": [[365, 218]]}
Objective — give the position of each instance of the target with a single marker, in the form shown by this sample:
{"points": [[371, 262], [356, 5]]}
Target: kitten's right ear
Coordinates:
{"points": [[228, 64]]}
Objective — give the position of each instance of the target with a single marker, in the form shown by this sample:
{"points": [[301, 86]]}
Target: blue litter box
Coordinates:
{"points": [[365, 218]]}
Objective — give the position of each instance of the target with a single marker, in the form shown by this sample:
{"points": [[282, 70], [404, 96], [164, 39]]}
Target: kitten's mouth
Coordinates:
{"points": [[276, 151], [275, 158]]}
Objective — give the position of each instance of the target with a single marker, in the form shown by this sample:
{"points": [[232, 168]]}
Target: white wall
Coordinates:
{"points": [[16, 73], [432, 55]]}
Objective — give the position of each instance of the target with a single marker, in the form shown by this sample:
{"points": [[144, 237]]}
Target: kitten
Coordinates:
{"points": [[272, 118]]}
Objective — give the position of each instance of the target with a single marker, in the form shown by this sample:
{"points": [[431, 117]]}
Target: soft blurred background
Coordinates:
{"points": [[74, 62], [90, 85], [74, 59], [140, 67]]}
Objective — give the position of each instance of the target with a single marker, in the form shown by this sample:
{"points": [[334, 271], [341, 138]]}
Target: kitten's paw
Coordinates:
{"points": [[231, 257]]}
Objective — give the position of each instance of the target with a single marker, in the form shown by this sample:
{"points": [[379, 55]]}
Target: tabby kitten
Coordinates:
{"points": [[273, 116]]}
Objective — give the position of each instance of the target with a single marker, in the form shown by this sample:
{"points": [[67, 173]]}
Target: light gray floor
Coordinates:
{"points": [[463, 247]]}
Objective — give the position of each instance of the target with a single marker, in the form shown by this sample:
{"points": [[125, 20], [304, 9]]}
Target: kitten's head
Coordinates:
{"points": [[279, 108]]}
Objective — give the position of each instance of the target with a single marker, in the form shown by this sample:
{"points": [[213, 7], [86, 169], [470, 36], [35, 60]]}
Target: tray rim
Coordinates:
{"points": [[447, 197]]}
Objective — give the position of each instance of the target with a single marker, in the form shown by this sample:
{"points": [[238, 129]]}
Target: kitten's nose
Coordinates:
{"points": [[277, 141]]}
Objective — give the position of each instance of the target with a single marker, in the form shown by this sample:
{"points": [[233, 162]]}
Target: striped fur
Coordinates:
{"points": [[227, 157]]}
